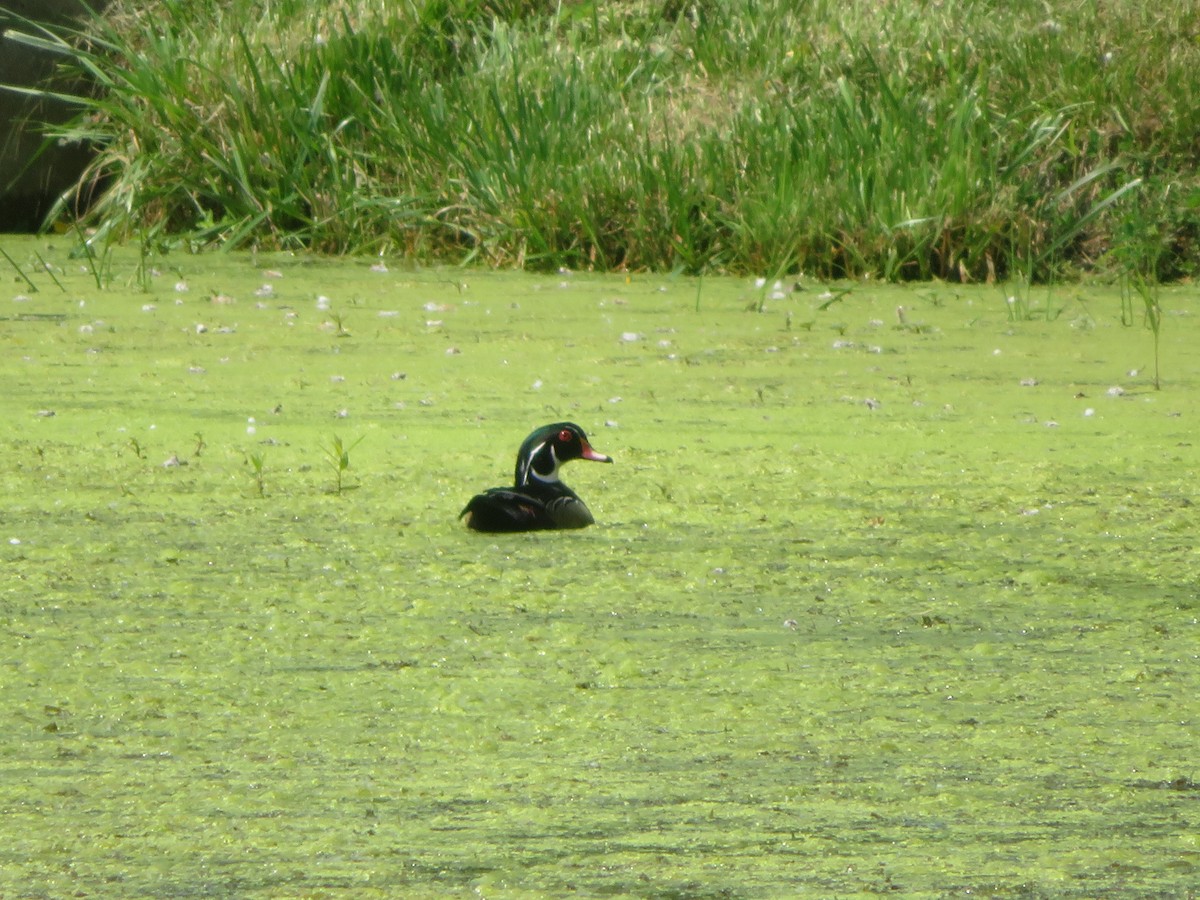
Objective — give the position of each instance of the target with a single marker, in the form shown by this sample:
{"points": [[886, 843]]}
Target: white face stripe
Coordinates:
{"points": [[532, 472], [552, 475]]}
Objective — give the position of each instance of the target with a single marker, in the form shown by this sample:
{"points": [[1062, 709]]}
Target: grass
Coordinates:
{"points": [[20, 272], [1152, 314], [904, 141]]}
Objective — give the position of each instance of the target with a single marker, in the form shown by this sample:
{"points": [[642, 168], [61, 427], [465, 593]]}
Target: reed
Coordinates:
{"points": [[903, 141]]}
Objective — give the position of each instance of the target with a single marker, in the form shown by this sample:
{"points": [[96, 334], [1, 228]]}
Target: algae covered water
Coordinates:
{"points": [[889, 592]]}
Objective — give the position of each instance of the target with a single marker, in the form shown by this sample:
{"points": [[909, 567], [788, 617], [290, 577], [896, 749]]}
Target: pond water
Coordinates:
{"points": [[877, 601]]}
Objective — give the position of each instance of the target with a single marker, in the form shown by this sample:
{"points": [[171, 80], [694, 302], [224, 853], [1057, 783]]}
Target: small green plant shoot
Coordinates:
{"points": [[338, 456]]}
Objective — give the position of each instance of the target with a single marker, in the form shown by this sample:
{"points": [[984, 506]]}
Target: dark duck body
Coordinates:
{"points": [[538, 500]]}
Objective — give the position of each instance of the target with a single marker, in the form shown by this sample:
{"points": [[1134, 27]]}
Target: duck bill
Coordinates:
{"points": [[589, 453]]}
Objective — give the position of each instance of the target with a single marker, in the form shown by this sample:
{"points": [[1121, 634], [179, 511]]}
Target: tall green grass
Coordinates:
{"points": [[854, 138]]}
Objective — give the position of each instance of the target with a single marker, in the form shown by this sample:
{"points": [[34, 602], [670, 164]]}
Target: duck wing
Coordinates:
{"points": [[503, 509]]}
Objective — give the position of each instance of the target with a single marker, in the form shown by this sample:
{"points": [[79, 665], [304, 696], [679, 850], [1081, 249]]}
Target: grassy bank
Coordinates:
{"points": [[903, 139]]}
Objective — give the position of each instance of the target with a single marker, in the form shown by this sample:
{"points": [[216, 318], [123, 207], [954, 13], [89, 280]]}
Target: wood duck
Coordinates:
{"points": [[538, 500]]}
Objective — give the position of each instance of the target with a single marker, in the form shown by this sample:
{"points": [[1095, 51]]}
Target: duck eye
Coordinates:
{"points": [[565, 436]]}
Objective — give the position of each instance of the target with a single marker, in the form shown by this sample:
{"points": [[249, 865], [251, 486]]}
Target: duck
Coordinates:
{"points": [[538, 499]]}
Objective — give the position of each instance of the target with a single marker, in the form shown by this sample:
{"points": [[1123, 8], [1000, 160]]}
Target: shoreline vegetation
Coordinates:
{"points": [[900, 140]]}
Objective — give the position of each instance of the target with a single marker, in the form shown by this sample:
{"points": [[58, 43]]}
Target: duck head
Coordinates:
{"points": [[548, 448]]}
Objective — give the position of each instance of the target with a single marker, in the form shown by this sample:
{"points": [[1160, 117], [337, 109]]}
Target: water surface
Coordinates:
{"points": [[876, 602]]}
